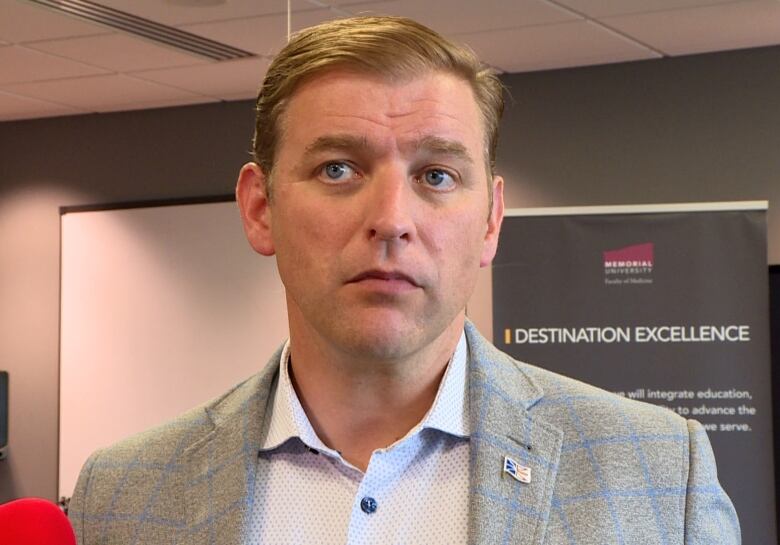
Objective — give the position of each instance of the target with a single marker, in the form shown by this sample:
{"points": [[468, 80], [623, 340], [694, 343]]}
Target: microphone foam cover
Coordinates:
{"points": [[34, 521]]}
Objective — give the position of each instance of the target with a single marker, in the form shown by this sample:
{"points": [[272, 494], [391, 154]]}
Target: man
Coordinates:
{"points": [[387, 417]]}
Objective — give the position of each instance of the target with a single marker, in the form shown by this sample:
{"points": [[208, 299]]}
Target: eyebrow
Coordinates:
{"points": [[443, 146], [430, 144], [337, 142]]}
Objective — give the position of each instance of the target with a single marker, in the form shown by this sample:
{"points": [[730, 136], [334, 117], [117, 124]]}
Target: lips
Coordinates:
{"points": [[388, 276]]}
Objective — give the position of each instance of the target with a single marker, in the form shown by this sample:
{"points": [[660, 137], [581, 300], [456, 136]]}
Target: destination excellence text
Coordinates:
{"points": [[637, 334]]}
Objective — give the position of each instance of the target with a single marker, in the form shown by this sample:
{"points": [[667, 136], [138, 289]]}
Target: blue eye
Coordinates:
{"points": [[439, 179], [337, 172]]}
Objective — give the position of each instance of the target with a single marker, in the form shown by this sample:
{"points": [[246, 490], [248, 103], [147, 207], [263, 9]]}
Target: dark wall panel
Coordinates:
{"points": [[686, 129]]}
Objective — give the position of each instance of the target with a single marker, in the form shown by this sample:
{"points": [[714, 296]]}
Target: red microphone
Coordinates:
{"points": [[33, 521]]}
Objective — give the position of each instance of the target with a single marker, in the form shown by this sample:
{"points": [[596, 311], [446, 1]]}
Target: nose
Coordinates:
{"points": [[390, 208]]}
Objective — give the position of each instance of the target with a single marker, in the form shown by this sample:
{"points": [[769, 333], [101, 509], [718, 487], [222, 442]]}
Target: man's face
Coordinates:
{"points": [[379, 215]]}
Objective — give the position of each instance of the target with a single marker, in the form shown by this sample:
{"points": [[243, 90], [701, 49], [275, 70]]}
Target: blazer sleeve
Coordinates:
{"points": [[709, 514]]}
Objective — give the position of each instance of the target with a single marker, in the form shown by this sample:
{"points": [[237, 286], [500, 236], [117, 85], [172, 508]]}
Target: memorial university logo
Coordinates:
{"points": [[629, 265]]}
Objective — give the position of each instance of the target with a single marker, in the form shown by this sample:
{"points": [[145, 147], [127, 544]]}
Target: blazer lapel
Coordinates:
{"points": [[502, 508], [220, 469]]}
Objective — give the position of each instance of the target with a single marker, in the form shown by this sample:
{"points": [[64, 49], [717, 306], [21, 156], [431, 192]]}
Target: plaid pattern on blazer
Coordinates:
{"points": [[605, 470]]}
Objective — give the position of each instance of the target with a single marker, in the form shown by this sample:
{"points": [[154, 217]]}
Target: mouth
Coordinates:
{"points": [[379, 276]]}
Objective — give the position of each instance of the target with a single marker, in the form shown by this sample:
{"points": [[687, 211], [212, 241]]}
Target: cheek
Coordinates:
{"points": [[458, 242], [309, 233]]}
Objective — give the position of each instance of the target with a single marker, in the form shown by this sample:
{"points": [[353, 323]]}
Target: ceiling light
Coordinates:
{"points": [[145, 28]]}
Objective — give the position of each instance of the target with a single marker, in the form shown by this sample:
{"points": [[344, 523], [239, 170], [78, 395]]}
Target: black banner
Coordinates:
{"points": [[667, 305]]}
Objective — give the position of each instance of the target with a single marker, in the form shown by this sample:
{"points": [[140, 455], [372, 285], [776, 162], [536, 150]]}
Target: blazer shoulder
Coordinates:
{"points": [[573, 406], [594, 409], [162, 442], [118, 478]]}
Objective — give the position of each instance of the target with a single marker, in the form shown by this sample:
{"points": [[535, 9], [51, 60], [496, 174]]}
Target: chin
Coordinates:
{"points": [[381, 342], [385, 338]]}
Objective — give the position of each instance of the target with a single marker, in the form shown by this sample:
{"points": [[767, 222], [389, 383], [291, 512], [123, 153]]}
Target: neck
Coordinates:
{"points": [[357, 405]]}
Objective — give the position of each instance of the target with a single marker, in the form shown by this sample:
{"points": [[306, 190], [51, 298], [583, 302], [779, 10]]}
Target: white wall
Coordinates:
{"points": [[162, 309]]}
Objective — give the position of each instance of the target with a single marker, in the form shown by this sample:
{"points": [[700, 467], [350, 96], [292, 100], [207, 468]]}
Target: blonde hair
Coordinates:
{"points": [[393, 47]]}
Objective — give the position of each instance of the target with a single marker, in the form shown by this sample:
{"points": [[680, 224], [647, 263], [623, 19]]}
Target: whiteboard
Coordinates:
{"points": [[162, 308]]}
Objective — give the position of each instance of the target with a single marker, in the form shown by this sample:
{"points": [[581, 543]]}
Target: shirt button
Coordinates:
{"points": [[368, 505]]}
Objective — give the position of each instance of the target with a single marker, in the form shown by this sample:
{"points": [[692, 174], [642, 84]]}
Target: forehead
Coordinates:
{"points": [[403, 109]]}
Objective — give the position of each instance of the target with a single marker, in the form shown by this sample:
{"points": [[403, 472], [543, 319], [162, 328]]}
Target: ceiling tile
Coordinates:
{"points": [[23, 22], [19, 107], [19, 64], [513, 35], [602, 8], [171, 14], [215, 79], [240, 96], [553, 46], [96, 93], [344, 4], [698, 30], [118, 52], [263, 35], [163, 103], [448, 16]]}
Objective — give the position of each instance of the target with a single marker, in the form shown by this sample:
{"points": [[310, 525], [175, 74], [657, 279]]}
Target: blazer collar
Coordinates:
{"points": [[221, 467], [501, 398]]}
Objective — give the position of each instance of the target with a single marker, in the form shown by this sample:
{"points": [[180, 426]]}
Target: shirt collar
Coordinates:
{"points": [[288, 419], [449, 412]]}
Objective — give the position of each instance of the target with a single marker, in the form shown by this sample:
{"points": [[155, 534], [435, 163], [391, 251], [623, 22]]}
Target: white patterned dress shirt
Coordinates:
{"points": [[413, 492]]}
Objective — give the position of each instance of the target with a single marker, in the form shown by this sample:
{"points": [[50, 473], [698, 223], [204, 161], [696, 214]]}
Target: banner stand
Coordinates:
{"points": [[666, 304]]}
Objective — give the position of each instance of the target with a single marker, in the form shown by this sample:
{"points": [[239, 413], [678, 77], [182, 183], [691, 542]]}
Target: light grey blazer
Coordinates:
{"points": [[604, 469]]}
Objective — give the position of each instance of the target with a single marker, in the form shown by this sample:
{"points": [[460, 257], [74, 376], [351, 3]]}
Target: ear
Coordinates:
{"points": [[252, 199], [494, 223]]}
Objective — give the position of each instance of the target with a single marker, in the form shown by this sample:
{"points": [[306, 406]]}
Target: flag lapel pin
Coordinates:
{"points": [[516, 471]]}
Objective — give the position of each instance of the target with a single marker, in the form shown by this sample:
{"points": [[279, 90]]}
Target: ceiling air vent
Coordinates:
{"points": [[144, 28]]}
